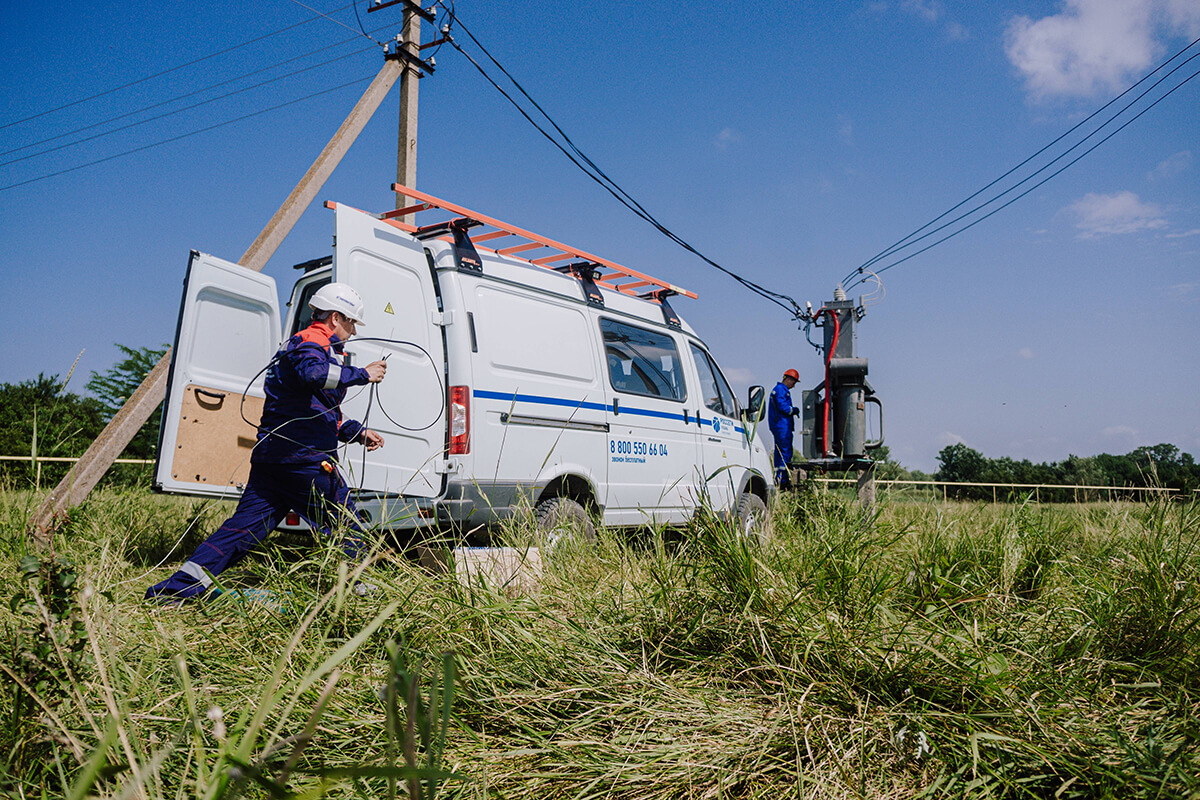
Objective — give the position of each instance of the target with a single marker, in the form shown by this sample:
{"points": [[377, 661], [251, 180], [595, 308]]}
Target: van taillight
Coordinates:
{"points": [[460, 420]]}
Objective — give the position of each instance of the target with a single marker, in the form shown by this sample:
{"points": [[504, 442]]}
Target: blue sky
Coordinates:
{"points": [[788, 141]]}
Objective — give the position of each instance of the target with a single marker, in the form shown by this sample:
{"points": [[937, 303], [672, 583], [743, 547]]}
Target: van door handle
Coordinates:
{"points": [[714, 439]]}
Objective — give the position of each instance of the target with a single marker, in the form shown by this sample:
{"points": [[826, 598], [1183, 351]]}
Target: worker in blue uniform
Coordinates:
{"points": [[294, 462], [781, 416]]}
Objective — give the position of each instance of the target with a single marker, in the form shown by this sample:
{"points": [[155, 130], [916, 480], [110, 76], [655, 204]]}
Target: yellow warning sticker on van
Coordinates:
{"points": [[388, 310]]}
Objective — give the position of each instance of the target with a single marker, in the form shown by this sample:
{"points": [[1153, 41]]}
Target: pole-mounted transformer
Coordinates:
{"points": [[834, 413]]}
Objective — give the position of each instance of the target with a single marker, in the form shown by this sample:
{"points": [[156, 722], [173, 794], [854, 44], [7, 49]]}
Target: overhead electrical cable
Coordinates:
{"points": [[165, 71], [1039, 183], [177, 98], [182, 109], [894, 250], [589, 168], [357, 17], [895, 246], [183, 135], [914, 237], [339, 22]]}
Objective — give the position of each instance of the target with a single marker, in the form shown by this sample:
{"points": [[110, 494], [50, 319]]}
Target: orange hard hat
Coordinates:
{"points": [[791, 373]]}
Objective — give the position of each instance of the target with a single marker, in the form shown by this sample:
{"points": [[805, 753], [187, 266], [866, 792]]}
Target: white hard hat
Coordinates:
{"points": [[338, 297]]}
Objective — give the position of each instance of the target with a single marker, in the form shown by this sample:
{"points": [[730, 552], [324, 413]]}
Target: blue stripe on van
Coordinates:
{"points": [[534, 398], [511, 397]]}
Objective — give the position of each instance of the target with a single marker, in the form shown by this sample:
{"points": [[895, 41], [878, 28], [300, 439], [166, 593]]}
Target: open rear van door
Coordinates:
{"points": [[402, 323], [228, 331]]}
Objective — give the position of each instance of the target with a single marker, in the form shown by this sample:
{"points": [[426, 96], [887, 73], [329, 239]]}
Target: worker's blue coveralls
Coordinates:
{"points": [[294, 463], [781, 420]]}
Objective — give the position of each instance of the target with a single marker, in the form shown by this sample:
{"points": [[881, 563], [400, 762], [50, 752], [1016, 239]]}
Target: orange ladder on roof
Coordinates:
{"points": [[534, 249]]}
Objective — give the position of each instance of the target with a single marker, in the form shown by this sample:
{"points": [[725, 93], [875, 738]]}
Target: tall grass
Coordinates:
{"points": [[927, 649]]}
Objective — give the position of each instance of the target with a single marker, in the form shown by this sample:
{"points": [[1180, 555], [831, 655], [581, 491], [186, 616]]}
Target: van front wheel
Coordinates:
{"points": [[752, 520], [560, 520]]}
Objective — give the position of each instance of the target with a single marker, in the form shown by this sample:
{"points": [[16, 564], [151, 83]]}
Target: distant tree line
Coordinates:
{"points": [[41, 418], [1160, 465]]}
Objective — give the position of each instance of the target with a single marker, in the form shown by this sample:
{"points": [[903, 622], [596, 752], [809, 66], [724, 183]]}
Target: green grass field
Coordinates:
{"points": [[931, 650]]}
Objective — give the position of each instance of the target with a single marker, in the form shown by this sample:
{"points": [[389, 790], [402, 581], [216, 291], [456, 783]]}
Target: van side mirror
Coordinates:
{"points": [[755, 403]]}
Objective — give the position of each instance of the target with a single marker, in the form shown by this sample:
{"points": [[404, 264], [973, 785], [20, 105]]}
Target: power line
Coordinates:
{"points": [[339, 22], [184, 108], [177, 98], [1039, 183], [597, 174], [182, 136], [164, 72], [909, 240]]}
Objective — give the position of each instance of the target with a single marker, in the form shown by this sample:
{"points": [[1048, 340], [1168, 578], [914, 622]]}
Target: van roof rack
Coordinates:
{"points": [[532, 248]]}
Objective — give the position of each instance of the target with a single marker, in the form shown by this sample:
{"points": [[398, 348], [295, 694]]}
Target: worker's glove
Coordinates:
{"points": [[795, 411]]}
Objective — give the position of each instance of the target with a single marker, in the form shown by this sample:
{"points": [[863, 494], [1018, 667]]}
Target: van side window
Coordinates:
{"points": [[715, 389], [642, 362]]}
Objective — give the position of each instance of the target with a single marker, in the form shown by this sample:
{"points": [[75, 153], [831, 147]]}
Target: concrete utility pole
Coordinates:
{"points": [[91, 467], [406, 143]]}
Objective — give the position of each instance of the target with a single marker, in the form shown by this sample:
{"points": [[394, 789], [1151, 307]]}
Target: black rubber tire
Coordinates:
{"points": [[560, 521], [752, 519]]}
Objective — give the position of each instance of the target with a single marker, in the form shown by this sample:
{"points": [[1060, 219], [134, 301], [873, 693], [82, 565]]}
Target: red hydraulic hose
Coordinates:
{"points": [[837, 329]]}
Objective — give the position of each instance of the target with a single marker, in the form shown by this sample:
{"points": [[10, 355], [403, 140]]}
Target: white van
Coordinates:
{"points": [[531, 375]]}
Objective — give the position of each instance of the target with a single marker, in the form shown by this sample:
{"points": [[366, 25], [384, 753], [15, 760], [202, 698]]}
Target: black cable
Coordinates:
{"points": [[432, 363], [1039, 183], [447, 14], [604, 180], [181, 136], [598, 175], [905, 243], [338, 22], [164, 72], [1031, 176], [181, 97], [360, 25], [371, 399], [182, 109]]}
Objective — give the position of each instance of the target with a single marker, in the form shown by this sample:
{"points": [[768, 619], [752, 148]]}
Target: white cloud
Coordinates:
{"points": [[1184, 234], [1184, 290], [1025, 352], [726, 137], [1109, 214], [1186, 15], [1171, 166], [1095, 45], [930, 10], [956, 32], [934, 12]]}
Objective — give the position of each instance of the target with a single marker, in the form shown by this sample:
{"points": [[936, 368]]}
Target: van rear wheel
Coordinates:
{"points": [[753, 522], [560, 521]]}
